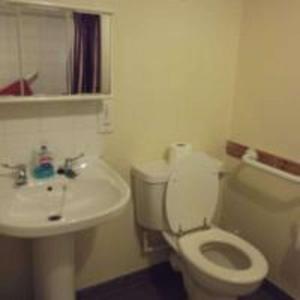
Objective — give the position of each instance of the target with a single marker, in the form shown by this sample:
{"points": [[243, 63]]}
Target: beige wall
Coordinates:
{"points": [[263, 209], [266, 107], [174, 80], [174, 69]]}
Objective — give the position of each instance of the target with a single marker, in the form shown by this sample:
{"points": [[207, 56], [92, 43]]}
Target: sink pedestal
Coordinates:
{"points": [[53, 267]]}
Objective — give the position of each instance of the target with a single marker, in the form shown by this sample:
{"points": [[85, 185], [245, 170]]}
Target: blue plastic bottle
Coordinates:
{"points": [[44, 166]]}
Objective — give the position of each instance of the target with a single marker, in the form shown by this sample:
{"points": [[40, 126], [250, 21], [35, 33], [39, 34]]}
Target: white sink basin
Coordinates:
{"points": [[60, 205], [50, 211]]}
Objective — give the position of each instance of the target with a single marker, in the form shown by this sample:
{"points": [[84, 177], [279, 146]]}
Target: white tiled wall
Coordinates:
{"points": [[8, 49], [44, 50], [67, 129]]}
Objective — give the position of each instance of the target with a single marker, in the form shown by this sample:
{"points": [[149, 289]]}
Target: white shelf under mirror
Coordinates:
{"points": [[56, 5], [41, 99]]}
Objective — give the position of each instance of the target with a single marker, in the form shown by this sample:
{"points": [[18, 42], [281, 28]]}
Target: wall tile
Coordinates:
{"points": [[19, 147], [89, 143], [56, 117], [20, 119], [66, 128], [84, 116]]}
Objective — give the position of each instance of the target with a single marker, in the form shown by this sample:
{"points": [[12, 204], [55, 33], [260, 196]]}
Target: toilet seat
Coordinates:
{"points": [[190, 245]]}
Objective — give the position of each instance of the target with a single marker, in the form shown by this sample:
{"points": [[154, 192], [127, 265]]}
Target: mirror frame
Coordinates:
{"points": [[66, 98]]}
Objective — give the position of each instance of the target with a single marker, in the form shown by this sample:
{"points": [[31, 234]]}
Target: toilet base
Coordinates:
{"points": [[196, 292]]}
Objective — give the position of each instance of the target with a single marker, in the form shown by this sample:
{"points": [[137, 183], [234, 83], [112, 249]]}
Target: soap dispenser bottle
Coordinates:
{"points": [[44, 164]]}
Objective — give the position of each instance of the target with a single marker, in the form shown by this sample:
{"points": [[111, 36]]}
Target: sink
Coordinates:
{"points": [[93, 197], [50, 212]]}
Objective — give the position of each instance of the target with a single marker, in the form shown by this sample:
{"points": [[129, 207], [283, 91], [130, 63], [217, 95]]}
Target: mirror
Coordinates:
{"points": [[54, 51]]}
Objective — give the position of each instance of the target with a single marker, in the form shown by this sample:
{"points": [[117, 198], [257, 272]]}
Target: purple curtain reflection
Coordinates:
{"points": [[87, 54]]}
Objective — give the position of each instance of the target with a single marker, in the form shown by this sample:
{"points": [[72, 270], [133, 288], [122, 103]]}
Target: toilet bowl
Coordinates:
{"points": [[220, 263], [216, 265], [223, 262]]}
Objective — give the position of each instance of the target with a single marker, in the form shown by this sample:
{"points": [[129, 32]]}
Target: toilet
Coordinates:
{"points": [[180, 201]]}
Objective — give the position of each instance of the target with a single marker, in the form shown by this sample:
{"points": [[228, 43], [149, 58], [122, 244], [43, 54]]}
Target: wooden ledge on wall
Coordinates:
{"points": [[238, 150]]}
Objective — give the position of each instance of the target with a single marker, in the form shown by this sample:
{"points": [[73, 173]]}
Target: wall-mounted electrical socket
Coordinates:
{"points": [[105, 118]]}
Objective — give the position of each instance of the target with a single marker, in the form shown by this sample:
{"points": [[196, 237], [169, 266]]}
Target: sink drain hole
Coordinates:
{"points": [[54, 218]]}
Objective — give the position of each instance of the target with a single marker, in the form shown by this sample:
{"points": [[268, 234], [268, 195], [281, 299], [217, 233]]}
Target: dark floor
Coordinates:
{"points": [[159, 283]]}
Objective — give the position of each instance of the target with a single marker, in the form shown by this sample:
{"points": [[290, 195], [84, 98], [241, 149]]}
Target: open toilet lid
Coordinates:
{"points": [[192, 192]]}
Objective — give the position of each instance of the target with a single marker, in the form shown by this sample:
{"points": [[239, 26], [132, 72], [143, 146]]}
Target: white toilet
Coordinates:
{"points": [[180, 202]]}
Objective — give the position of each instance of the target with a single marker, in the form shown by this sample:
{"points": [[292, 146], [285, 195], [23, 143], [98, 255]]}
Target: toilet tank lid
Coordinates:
{"points": [[152, 172]]}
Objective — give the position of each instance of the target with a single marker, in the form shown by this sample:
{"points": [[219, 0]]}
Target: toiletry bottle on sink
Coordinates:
{"points": [[44, 164]]}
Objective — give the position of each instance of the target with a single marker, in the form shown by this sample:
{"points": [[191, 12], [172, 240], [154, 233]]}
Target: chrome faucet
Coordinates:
{"points": [[67, 168], [20, 172]]}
